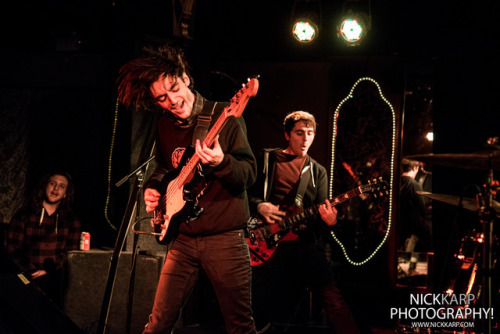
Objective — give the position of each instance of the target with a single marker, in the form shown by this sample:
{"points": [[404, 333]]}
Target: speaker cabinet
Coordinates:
{"points": [[86, 283], [24, 308]]}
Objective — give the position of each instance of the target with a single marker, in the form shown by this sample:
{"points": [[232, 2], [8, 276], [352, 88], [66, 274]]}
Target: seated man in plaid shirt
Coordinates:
{"points": [[41, 233]]}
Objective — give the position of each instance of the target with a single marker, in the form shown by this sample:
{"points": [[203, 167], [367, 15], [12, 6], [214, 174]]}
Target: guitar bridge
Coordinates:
{"points": [[273, 239], [156, 219]]}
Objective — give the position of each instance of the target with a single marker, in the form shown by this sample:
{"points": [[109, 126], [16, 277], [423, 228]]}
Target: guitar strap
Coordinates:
{"points": [[204, 120], [304, 180], [266, 173]]}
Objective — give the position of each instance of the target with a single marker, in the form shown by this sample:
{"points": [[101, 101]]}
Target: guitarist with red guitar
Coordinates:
{"points": [[198, 192], [290, 178]]}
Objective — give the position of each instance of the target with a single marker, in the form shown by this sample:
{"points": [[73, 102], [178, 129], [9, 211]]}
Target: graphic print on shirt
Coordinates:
{"points": [[177, 156]]}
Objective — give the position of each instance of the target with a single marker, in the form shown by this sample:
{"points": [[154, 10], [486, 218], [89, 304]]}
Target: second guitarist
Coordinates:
{"points": [[302, 262]]}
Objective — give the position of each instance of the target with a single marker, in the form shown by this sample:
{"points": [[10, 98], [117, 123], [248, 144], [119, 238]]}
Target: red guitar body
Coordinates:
{"points": [[264, 238]]}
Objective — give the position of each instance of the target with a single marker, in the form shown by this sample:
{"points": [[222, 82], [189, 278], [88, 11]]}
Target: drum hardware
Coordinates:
{"points": [[484, 160], [468, 250], [471, 204], [486, 208]]}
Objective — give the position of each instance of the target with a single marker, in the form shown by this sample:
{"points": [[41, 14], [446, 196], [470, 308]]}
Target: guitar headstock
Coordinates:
{"points": [[240, 99], [252, 86], [377, 187]]}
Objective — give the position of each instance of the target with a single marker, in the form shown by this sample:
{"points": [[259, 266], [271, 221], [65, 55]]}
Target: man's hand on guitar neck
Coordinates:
{"points": [[151, 198], [210, 156], [270, 212], [328, 213]]}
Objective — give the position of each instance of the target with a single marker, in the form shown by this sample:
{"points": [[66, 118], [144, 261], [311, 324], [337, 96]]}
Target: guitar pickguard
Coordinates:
{"points": [[190, 195]]}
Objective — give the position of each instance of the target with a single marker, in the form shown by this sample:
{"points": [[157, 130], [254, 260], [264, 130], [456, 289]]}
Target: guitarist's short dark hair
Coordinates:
{"points": [[297, 116], [407, 164]]}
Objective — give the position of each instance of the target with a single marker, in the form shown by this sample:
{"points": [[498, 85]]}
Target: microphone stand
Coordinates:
{"points": [[134, 172], [135, 251], [124, 227]]}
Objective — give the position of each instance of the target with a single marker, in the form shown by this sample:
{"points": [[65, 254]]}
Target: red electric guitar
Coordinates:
{"points": [[263, 239], [168, 211]]}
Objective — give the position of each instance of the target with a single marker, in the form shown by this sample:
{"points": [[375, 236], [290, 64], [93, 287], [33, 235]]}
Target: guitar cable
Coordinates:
{"points": [[143, 232]]}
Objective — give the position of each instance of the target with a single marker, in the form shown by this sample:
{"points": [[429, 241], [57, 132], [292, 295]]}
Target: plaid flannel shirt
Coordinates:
{"points": [[35, 245]]}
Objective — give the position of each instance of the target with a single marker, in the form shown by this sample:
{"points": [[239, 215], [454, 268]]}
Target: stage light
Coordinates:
{"points": [[305, 20], [430, 136], [305, 30], [351, 30], [355, 22]]}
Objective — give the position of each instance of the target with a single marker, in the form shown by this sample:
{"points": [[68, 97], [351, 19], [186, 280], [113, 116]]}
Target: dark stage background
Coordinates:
{"points": [[58, 62]]}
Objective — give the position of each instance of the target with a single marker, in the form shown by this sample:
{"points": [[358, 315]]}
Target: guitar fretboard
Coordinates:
{"points": [[305, 214], [346, 196]]}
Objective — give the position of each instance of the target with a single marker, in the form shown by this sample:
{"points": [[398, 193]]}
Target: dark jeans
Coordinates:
{"points": [[226, 261]]}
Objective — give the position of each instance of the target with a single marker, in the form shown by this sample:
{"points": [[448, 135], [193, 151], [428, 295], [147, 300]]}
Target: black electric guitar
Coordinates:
{"points": [[263, 238], [178, 204]]}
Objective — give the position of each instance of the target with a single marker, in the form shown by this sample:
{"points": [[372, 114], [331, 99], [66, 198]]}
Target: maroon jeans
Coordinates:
{"points": [[226, 261]]}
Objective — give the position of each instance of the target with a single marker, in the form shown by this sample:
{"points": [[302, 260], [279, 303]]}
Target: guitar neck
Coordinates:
{"points": [[309, 212], [216, 128], [209, 140], [346, 196]]}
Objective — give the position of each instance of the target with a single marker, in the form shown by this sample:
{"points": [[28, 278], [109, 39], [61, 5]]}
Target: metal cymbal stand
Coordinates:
{"points": [[487, 217]]}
